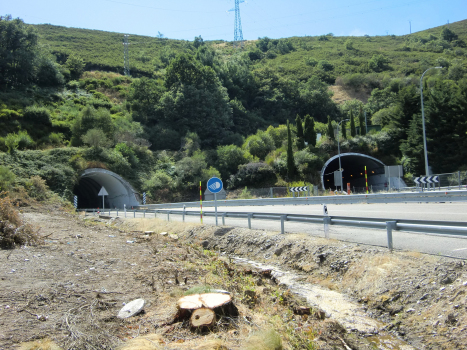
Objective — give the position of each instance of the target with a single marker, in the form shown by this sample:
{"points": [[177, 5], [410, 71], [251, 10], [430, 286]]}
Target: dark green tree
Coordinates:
{"points": [[300, 139], [361, 121], [18, 51], [198, 41], [291, 169], [353, 130], [448, 35], [344, 130], [75, 65], [330, 131], [309, 133]]}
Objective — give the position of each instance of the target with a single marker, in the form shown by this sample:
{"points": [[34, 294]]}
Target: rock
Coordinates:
{"points": [[410, 310], [164, 233], [173, 236], [132, 308]]}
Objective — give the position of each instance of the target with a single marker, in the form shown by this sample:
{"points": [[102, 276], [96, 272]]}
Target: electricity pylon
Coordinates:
{"points": [[238, 34]]}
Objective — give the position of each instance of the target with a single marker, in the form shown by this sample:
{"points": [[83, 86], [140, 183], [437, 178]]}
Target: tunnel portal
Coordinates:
{"points": [[119, 190], [353, 165]]}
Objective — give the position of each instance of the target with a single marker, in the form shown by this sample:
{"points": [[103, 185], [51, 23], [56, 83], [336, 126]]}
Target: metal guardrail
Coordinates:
{"points": [[399, 197], [456, 228]]}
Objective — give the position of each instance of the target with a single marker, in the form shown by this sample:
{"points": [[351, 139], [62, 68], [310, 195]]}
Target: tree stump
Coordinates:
{"points": [[202, 309], [203, 318]]}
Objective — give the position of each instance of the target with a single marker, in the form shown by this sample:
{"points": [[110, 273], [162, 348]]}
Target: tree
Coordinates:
{"points": [[195, 101], [229, 158], [361, 121], [344, 130], [353, 131], [75, 64], [330, 131], [198, 41], [7, 178], [18, 50], [448, 35], [378, 63], [89, 118], [291, 169], [95, 138], [300, 138], [309, 134]]}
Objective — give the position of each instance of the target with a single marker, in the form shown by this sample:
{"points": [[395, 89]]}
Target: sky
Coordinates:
{"points": [[184, 19]]}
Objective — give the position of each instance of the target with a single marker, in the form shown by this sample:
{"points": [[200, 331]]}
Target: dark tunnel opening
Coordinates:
{"points": [[353, 165], [87, 191], [120, 193]]}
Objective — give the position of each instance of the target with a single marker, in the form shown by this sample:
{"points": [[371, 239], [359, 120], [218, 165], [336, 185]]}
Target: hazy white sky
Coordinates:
{"points": [[185, 19]]}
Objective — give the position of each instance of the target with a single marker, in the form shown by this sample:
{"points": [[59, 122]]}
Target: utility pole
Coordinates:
{"points": [[126, 56]]}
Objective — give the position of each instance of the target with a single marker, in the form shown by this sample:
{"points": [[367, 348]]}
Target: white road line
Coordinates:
{"points": [[455, 250]]}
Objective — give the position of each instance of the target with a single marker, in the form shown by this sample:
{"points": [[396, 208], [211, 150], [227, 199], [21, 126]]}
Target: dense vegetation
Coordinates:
{"points": [[198, 109]]}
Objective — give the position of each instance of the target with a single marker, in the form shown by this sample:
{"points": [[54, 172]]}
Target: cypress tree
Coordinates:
{"points": [[300, 138], [330, 129], [309, 134], [344, 131], [361, 120], [353, 131], [290, 159]]}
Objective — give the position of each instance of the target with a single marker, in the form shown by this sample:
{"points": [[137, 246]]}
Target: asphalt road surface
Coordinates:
{"points": [[453, 246]]}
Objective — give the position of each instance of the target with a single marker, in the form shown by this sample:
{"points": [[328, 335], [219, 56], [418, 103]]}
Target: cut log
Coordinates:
{"points": [[203, 318]]}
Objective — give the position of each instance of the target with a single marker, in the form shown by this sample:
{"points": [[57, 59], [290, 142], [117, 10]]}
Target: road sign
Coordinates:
{"points": [[298, 189], [103, 193], [75, 202], [144, 198], [215, 185], [426, 180]]}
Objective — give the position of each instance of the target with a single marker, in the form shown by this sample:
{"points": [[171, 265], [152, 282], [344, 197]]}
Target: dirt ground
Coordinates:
{"points": [[71, 288]]}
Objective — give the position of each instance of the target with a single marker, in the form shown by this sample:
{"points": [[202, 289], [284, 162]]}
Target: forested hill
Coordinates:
{"points": [[194, 109]]}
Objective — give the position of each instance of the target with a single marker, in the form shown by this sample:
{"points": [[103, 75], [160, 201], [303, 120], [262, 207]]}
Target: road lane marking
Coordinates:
{"points": [[455, 250]]}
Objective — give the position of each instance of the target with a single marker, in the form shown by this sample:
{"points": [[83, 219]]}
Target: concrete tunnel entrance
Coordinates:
{"points": [[92, 180], [353, 165]]}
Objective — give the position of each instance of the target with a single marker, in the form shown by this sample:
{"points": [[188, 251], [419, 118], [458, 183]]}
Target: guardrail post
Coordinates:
{"points": [[134, 213], [144, 214], [390, 225], [458, 178], [249, 220], [271, 192], [184, 208], [168, 215], [117, 212], [223, 219], [327, 222], [283, 218]]}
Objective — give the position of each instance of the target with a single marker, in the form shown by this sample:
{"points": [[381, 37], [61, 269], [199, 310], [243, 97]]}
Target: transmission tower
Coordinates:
{"points": [[126, 55], [238, 35]]}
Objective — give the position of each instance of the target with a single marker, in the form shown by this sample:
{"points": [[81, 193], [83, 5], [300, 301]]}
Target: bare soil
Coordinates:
{"points": [[71, 288]]}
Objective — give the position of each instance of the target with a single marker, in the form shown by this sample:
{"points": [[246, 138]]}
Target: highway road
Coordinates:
{"points": [[443, 245]]}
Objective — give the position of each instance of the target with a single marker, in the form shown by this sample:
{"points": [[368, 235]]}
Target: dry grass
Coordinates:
{"points": [[160, 225], [264, 340], [13, 231], [341, 95], [145, 342], [42, 344], [371, 273]]}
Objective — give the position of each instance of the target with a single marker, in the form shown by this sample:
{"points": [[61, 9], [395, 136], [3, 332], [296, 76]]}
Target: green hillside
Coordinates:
{"points": [[191, 110]]}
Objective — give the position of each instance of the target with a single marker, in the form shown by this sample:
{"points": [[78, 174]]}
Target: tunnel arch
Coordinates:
{"points": [[119, 191], [353, 165]]}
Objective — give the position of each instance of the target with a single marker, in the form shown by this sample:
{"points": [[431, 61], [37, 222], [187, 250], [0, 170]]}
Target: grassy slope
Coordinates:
{"points": [[104, 50]]}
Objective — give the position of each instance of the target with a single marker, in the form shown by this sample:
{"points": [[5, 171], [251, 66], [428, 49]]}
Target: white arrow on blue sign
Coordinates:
{"points": [[215, 185]]}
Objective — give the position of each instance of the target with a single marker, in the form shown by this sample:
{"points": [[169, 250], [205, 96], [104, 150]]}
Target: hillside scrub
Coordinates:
{"points": [[199, 109]]}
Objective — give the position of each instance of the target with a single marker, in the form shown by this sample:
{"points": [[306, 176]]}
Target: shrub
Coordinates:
{"points": [[13, 231], [37, 115], [252, 174], [38, 189], [7, 178]]}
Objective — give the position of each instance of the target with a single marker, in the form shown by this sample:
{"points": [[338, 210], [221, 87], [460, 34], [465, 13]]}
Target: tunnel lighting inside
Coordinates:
{"points": [[353, 165], [119, 191]]}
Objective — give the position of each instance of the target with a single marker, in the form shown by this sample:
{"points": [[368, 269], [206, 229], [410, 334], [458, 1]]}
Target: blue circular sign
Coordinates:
{"points": [[215, 185]]}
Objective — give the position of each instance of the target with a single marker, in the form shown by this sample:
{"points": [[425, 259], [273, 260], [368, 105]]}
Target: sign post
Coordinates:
{"points": [[103, 193], [215, 186]]}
